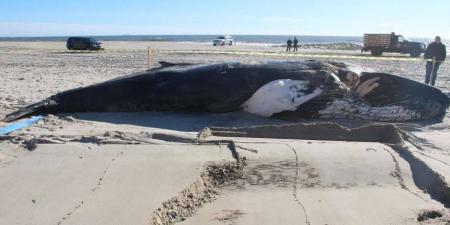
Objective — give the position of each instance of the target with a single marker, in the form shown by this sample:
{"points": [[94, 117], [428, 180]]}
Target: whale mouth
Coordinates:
{"points": [[385, 97], [373, 96], [356, 108]]}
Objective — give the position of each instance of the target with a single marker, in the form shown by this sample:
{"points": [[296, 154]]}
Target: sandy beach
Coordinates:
{"points": [[166, 168]]}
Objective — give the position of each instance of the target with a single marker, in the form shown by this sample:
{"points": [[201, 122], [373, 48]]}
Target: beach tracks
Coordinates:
{"points": [[387, 134], [296, 178], [295, 186], [273, 54]]}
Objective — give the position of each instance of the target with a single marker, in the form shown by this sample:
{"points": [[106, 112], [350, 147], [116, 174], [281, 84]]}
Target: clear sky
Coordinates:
{"points": [[413, 18]]}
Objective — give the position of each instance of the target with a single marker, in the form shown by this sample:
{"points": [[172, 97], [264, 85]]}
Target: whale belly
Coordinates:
{"points": [[280, 95]]}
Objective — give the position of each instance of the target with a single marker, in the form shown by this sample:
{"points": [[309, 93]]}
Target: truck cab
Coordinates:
{"points": [[379, 43]]}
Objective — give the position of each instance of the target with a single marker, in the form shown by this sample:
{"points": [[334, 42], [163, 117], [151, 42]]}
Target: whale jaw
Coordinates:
{"points": [[353, 108]]}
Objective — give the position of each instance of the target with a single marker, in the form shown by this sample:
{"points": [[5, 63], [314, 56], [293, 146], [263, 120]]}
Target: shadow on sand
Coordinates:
{"points": [[197, 121], [187, 122]]}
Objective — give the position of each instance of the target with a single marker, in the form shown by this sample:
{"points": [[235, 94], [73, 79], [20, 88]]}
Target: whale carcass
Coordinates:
{"points": [[301, 89]]}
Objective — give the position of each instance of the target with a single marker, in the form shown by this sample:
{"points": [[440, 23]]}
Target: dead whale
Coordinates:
{"points": [[303, 89]]}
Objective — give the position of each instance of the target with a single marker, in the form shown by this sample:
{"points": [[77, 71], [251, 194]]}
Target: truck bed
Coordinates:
{"points": [[379, 40]]}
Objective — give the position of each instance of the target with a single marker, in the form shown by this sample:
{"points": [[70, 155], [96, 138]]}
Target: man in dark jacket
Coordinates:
{"points": [[435, 55], [295, 44], [288, 45]]}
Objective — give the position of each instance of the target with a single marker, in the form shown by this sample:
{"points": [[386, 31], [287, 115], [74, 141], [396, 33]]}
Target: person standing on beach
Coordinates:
{"points": [[295, 44], [289, 44], [435, 55]]}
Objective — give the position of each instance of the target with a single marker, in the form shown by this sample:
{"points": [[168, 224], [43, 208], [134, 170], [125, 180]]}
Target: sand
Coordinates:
{"points": [[159, 168]]}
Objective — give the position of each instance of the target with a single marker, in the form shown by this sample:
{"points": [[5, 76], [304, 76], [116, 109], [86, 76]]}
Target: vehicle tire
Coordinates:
{"points": [[231, 43], [376, 52], [215, 44], [415, 54], [223, 43]]}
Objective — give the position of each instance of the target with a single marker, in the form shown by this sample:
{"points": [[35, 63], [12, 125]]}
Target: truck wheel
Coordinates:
{"points": [[231, 43], [376, 52], [415, 54]]}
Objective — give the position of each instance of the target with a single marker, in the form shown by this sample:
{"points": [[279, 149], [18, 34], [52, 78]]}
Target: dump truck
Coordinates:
{"points": [[379, 43]]}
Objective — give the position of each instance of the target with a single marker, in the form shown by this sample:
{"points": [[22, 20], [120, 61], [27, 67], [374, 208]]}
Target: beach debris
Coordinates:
{"points": [[429, 214], [19, 125]]}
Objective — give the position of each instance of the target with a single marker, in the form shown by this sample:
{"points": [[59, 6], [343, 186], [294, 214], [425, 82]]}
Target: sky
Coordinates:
{"points": [[413, 18]]}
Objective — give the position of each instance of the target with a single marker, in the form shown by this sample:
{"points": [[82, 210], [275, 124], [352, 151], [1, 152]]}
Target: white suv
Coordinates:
{"points": [[223, 40]]}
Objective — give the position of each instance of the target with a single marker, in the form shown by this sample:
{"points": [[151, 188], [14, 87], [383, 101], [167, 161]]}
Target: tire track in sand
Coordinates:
{"points": [[295, 186]]}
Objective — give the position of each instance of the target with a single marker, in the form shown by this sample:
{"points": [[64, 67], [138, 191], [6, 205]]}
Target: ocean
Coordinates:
{"points": [[207, 39]]}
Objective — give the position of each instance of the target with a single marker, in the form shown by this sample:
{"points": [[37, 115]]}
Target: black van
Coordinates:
{"points": [[83, 43]]}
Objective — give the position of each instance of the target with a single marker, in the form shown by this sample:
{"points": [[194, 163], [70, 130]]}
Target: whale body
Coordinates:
{"points": [[301, 89]]}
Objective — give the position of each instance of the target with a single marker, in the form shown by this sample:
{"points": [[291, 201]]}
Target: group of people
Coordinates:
{"points": [[435, 54], [289, 44]]}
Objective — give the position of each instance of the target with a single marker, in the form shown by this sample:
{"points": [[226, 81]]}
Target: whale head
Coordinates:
{"points": [[370, 96]]}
